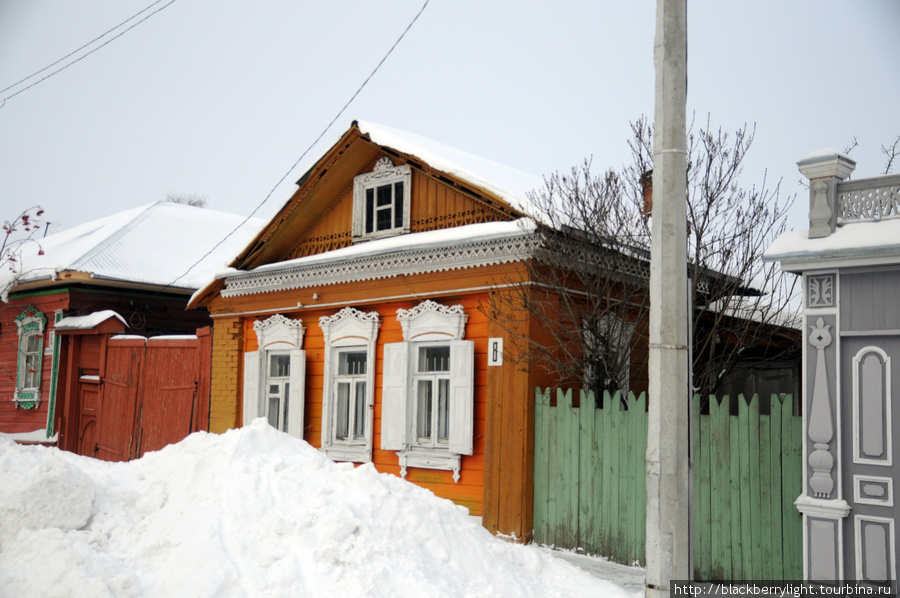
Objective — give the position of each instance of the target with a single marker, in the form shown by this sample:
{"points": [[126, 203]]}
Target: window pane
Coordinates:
{"points": [[285, 402], [398, 205], [443, 413], [352, 364], [370, 209], [434, 359], [342, 417], [383, 219], [423, 411], [32, 344], [272, 412], [359, 418], [279, 366], [384, 196]]}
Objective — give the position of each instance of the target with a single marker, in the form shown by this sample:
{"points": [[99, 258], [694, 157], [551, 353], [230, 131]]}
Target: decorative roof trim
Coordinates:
{"points": [[422, 260]]}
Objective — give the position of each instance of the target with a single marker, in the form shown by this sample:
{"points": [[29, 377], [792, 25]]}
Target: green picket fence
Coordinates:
{"points": [[590, 492]]}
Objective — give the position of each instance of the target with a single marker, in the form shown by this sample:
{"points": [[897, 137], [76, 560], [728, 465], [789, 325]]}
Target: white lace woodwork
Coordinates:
{"points": [[376, 267], [869, 199], [346, 330], [820, 291], [821, 424]]}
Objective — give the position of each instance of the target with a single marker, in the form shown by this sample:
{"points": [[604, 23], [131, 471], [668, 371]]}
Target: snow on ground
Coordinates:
{"points": [[252, 512]]}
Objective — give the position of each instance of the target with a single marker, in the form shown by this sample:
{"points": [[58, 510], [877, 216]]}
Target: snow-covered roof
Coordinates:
{"points": [[161, 244], [484, 231], [869, 241], [508, 183], [87, 322]]}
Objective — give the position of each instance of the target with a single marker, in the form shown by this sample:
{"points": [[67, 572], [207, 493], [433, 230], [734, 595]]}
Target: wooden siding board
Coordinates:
{"points": [[776, 494], [702, 520]]}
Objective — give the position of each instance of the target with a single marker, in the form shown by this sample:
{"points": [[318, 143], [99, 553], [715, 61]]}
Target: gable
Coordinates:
{"points": [[320, 215]]}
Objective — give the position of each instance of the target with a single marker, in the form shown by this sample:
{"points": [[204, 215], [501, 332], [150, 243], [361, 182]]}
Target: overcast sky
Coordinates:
{"points": [[220, 98]]}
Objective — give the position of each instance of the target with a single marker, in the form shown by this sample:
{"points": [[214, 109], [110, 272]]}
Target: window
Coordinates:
{"points": [[607, 345], [278, 388], [30, 325], [381, 201], [274, 376], [432, 401], [428, 394], [347, 396], [350, 394]]}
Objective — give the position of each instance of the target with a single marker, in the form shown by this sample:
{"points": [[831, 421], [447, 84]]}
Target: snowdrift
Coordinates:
{"points": [[252, 512]]}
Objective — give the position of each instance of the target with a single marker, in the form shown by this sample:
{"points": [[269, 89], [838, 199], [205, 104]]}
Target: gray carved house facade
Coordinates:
{"points": [[850, 264]]}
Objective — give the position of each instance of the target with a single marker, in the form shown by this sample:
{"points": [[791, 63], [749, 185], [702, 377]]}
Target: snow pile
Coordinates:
{"points": [[252, 512]]}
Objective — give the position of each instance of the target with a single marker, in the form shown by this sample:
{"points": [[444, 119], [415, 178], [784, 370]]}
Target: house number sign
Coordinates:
{"points": [[495, 351]]}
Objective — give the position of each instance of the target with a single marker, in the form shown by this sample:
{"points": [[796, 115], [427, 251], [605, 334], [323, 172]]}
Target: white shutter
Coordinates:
{"points": [[251, 386], [297, 394], [462, 396], [393, 396]]}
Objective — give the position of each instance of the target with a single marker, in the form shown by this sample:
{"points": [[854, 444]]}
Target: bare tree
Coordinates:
{"points": [[188, 199], [891, 152], [18, 232], [590, 268]]}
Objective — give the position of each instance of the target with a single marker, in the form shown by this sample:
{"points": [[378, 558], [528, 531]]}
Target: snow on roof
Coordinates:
{"points": [[251, 512], [156, 244], [508, 183], [856, 240], [433, 238], [87, 322]]}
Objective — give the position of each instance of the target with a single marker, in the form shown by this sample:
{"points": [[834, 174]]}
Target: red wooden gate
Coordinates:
{"points": [[135, 395]]}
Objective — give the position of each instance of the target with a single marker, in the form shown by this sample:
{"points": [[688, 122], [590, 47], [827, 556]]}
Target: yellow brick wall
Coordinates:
{"points": [[227, 372]]}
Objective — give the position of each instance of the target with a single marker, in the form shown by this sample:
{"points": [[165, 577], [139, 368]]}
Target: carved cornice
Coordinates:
{"points": [[279, 329], [461, 256]]}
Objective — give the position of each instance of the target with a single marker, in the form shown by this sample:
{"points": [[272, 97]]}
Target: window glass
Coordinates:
{"points": [[434, 359], [279, 365], [350, 390], [359, 417], [398, 205], [423, 411], [353, 364], [342, 421], [433, 395]]}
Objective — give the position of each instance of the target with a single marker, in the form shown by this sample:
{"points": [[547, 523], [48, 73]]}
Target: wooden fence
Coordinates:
{"points": [[590, 487]]}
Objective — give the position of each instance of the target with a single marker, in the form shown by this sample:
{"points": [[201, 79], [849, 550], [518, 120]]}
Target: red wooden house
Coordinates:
{"points": [[358, 320], [132, 271]]}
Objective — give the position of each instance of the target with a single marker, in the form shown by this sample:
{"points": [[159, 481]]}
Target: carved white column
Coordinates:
{"points": [[821, 424]]}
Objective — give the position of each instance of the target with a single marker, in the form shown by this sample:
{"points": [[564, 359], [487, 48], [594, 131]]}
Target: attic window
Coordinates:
{"points": [[381, 201]]}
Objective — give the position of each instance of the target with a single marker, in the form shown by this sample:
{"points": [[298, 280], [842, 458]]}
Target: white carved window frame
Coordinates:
{"points": [[29, 324], [384, 173], [886, 406], [428, 324], [274, 335], [348, 329]]}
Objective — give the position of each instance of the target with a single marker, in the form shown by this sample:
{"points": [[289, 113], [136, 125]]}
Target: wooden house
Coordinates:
{"points": [[132, 271], [357, 320], [369, 319]]}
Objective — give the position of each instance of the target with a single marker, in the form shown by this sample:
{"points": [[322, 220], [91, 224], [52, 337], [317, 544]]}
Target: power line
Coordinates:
{"points": [[86, 54], [308, 149]]}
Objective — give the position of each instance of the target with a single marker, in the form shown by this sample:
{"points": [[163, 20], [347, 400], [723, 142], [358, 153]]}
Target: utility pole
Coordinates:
{"points": [[668, 507]]}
